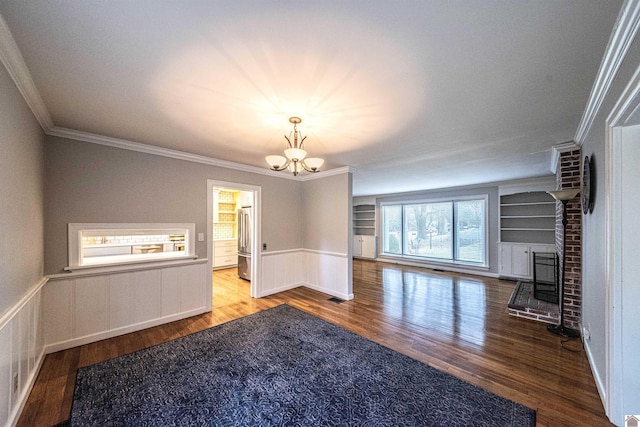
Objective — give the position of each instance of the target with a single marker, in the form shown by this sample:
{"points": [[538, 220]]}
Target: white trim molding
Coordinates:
{"points": [[613, 389], [541, 183], [13, 61], [11, 313], [557, 150], [182, 155], [621, 38], [21, 352]]}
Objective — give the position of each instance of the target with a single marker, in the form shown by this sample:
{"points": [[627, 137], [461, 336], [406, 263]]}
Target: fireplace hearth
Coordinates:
{"points": [[545, 276]]}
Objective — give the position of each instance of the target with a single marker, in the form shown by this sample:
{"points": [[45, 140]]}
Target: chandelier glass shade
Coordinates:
{"points": [[295, 157]]}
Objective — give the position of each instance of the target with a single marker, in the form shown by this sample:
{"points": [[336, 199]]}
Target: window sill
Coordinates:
{"points": [[74, 271], [432, 262]]}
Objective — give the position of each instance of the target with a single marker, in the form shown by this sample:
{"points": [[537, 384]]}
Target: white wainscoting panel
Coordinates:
{"points": [[323, 271], [170, 292], [57, 316], [327, 272], [120, 300], [90, 305], [5, 373], [281, 271], [83, 307], [21, 353], [193, 297], [147, 295]]}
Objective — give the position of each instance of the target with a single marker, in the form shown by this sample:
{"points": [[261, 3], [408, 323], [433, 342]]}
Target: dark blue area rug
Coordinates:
{"points": [[281, 367]]}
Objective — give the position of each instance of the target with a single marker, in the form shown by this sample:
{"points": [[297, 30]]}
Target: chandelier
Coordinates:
{"points": [[296, 157]]}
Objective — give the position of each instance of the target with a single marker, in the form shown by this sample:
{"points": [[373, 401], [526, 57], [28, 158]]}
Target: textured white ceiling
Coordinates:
{"points": [[412, 94]]}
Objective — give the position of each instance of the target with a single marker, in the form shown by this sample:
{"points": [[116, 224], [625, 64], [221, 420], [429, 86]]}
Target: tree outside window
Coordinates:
{"points": [[450, 230]]}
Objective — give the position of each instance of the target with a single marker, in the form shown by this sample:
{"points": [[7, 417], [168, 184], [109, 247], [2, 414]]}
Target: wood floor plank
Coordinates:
{"points": [[454, 322]]}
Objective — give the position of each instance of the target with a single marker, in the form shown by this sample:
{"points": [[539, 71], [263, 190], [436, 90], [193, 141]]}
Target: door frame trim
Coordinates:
{"points": [[619, 117], [256, 234]]}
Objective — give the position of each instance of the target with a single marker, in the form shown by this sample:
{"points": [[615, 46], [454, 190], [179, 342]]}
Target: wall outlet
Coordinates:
{"points": [[200, 237], [264, 246], [586, 332], [15, 382]]}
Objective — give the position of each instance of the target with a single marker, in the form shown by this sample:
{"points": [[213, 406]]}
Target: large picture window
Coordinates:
{"points": [[452, 231]]}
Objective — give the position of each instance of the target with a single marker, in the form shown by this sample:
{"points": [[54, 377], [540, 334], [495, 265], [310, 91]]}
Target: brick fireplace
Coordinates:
{"points": [[568, 176]]}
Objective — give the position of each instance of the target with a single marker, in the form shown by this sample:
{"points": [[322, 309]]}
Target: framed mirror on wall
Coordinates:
{"points": [[587, 185]]}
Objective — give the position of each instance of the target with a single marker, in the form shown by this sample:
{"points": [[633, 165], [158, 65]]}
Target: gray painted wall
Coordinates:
{"points": [[326, 213], [493, 202], [594, 291], [21, 196], [94, 183]]}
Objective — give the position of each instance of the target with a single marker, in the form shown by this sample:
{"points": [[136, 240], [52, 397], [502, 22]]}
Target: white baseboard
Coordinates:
{"points": [[602, 391], [75, 342], [22, 399], [331, 292], [279, 289]]}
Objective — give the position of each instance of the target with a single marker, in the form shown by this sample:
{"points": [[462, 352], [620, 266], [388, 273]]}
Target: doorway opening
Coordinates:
{"points": [[233, 216]]}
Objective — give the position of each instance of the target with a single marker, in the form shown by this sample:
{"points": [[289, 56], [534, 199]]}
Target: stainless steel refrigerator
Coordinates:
{"points": [[244, 243]]}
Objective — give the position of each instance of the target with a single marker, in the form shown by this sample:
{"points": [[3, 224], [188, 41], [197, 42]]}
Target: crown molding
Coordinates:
{"points": [[557, 150], [181, 155], [158, 151], [540, 183], [13, 61], [621, 38], [324, 174]]}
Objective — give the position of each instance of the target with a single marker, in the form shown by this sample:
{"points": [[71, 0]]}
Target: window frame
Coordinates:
{"points": [[75, 242], [454, 231]]}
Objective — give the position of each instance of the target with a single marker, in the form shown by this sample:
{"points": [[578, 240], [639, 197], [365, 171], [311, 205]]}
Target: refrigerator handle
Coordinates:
{"points": [[241, 232], [244, 232]]}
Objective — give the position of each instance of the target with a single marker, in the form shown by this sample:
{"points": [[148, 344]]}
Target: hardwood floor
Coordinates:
{"points": [[454, 322]]}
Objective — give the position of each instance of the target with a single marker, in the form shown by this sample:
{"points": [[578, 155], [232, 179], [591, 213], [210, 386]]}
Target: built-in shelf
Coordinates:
{"points": [[528, 218], [224, 213], [364, 220], [526, 203], [527, 229]]}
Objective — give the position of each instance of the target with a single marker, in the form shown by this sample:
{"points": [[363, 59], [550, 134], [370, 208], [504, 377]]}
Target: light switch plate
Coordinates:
{"points": [[200, 237]]}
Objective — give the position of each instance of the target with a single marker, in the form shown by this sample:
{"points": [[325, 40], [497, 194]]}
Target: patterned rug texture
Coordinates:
{"points": [[281, 367]]}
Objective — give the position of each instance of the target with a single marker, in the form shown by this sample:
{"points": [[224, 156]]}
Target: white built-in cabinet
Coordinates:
{"points": [[364, 230], [225, 253], [516, 259], [225, 215], [527, 225], [364, 246]]}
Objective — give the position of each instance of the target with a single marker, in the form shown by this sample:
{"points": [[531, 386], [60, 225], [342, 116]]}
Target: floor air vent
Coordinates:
{"points": [[336, 300]]}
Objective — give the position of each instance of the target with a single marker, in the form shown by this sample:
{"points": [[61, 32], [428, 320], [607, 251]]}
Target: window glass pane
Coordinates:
{"points": [[105, 244], [428, 230], [392, 229], [101, 247], [470, 231]]}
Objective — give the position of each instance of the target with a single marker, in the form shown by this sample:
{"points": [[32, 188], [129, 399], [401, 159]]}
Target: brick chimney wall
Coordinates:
{"points": [[568, 176]]}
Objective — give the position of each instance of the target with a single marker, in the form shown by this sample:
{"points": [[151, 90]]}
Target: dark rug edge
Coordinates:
{"points": [[519, 408], [67, 422]]}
